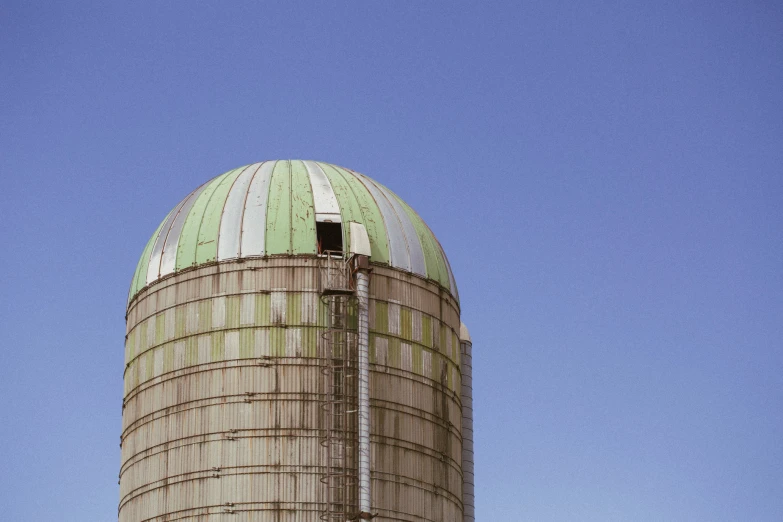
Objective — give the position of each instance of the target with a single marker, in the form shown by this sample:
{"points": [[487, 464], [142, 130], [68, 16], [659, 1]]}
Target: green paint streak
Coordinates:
{"points": [[263, 309], [406, 323], [293, 314], [277, 342], [278, 214], [209, 228], [179, 321], [442, 342], [309, 342], [188, 238], [381, 317], [168, 358], [416, 358], [232, 311], [356, 204], [322, 314], [142, 329], [140, 277], [395, 353], [353, 314], [191, 351], [426, 330], [303, 237], [246, 343], [218, 346]]}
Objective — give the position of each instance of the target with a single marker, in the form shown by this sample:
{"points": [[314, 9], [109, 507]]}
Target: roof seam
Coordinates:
{"points": [[244, 205], [223, 210], [145, 255], [391, 218], [364, 178], [166, 238]]}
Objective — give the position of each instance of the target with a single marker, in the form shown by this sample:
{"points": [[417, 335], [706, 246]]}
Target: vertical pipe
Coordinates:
{"points": [[363, 294], [466, 349]]}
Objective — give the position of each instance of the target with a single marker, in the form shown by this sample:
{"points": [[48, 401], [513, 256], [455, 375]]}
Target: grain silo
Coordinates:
{"points": [[294, 352]]}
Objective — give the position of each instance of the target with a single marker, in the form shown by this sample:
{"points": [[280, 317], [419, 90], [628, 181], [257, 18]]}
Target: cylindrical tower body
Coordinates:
{"points": [[223, 410], [466, 364]]}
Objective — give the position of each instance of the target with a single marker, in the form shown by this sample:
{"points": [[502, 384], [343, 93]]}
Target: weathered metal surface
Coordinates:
{"points": [[188, 244], [416, 256], [468, 495], [303, 212], [168, 258], [270, 208], [452, 281], [231, 220], [356, 204], [399, 255], [153, 268], [140, 276], [222, 417], [209, 223], [363, 296], [433, 256], [278, 222], [360, 242], [339, 405], [326, 207], [254, 236]]}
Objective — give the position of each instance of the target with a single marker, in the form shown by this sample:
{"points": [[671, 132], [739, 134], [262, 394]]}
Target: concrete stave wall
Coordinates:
{"points": [[221, 407]]}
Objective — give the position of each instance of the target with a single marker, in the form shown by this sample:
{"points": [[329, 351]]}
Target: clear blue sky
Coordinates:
{"points": [[606, 179]]}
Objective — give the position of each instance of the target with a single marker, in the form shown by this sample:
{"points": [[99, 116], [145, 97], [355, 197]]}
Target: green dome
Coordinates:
{"points": [[271, 209]]}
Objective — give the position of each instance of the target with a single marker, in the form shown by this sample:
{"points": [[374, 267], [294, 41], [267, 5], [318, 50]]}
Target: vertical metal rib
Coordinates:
{"points": [[231, 220], [363, 294], [324, 200], [399, 256], [254, 220], [168, 260], [415, 251], [153, 270]]}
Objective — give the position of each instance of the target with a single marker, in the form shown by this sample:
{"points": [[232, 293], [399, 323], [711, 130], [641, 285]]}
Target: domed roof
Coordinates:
{"points": [[271, 208]]}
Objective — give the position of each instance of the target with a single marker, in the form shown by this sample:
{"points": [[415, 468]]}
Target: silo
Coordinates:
{"points": [[293, 353]]}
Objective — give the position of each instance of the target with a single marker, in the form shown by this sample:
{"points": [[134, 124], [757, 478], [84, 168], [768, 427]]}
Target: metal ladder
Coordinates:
{"points": [[339, 386]]}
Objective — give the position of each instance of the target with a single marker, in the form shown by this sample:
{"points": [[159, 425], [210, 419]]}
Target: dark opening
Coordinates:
{"points": [[330, 236]]}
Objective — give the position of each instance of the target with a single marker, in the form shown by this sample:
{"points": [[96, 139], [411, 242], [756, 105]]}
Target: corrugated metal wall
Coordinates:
{"points": [[221, 412], [468, 490]]}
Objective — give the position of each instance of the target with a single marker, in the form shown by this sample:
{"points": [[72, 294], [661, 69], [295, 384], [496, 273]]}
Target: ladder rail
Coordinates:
{"points": [[339, 389]]}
